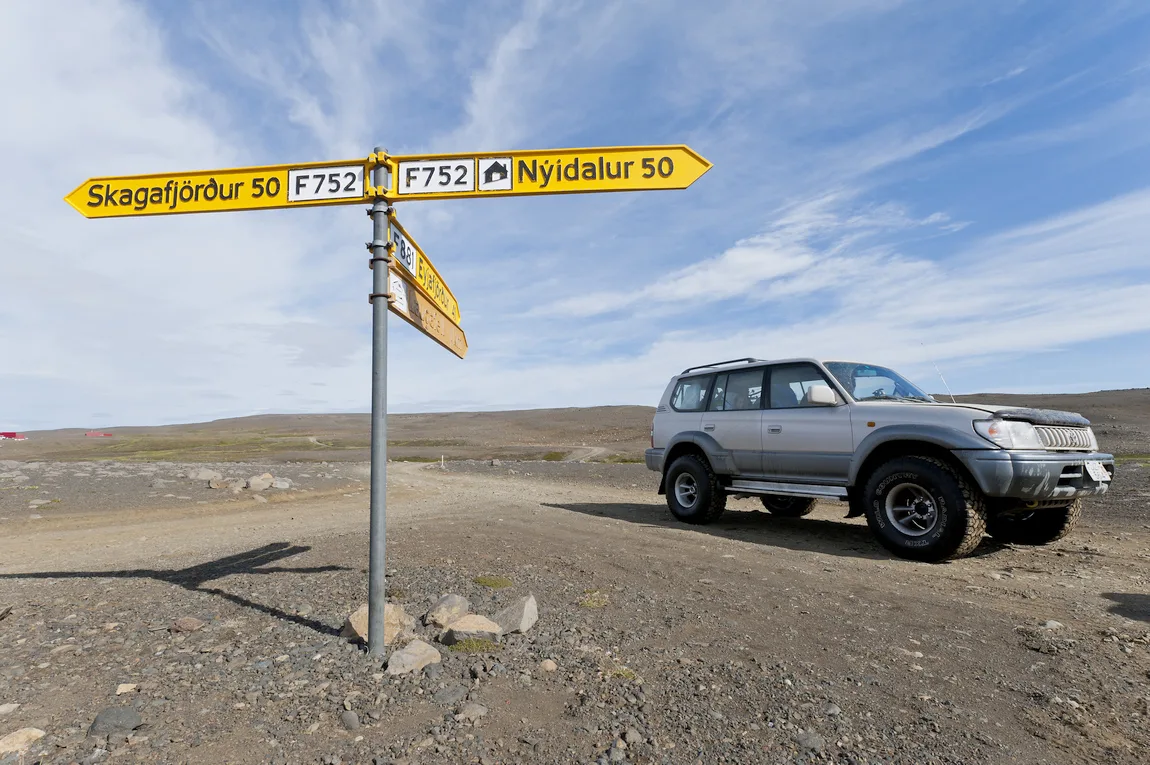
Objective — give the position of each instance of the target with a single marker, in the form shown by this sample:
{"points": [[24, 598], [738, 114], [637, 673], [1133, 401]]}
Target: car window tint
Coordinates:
{"points": [[789, 385], [744, 389], [691, 394]]}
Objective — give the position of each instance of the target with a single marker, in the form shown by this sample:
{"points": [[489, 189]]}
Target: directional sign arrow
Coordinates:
{"points": [[410, 257], [410, 304], [237, 188], [550, 171]]}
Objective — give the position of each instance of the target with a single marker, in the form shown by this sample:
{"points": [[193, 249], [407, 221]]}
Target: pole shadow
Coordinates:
{"points": [[193, 578], [843, 538], [1130, 605]]}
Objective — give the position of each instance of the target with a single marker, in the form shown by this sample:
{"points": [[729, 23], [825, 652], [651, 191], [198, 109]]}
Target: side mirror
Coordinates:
{"points": [[820, 395]]}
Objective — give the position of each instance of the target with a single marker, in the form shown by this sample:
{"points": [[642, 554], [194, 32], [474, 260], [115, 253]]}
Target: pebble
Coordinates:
{"points": [[187, 624], [548, 666], [123, 688], [450, 695], [7, 709], [1052, 625], [19, 741], [349, 719], [470, 712]]}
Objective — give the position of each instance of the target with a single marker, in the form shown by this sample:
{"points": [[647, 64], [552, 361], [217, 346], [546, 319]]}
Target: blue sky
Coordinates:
{"points": [[913, 183]]}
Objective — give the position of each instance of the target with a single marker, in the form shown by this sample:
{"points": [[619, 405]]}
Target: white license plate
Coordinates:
{"points": [[1097, 471]]}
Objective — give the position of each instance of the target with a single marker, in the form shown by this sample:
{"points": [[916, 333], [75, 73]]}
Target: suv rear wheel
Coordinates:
{"points": [[1040, 526], [787, 507], [694, 494], [923, 509]]}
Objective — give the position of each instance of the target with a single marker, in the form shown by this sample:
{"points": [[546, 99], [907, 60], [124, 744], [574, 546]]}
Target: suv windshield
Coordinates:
{"points": [[868, 382]]}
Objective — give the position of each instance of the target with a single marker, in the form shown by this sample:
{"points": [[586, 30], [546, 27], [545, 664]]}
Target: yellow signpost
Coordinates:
{"points": [[239, 188], [405, 282], [408, 302], [549, 171], [410, 257]]}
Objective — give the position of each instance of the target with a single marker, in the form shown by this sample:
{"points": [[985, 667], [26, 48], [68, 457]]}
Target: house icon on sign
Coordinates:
{"points": [[496, 171], [495, 174]]}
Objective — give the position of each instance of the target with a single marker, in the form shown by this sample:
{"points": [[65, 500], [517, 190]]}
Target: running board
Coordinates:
{"points": [[787, 489]]}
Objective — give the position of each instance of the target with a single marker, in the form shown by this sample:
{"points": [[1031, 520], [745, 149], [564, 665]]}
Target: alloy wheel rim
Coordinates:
{"points": [[911, 509], [686, 490]]}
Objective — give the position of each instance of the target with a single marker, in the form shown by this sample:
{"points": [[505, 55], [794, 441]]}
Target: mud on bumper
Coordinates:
{"points": [[1036, 475]]}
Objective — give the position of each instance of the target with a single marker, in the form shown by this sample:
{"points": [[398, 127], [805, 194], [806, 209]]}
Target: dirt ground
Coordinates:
{"points": [[756, 639]]}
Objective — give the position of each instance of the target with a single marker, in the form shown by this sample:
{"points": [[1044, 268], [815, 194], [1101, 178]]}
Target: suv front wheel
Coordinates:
{"points": [[694, 494], [923, 509]]}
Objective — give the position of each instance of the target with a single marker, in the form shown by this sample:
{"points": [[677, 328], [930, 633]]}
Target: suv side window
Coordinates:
{"points": [[737, 391], [790, 383], [690, 394]]}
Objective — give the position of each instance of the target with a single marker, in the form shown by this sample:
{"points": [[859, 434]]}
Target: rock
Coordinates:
{"points": [[616, 755], [115, 720], [446, 610], [471, 627], [396, 624], [204, 474], [187, 624], [449, 696], [260, 499], [496, 463], [226, 483], [1053, 625], [832, 710], [159, 483], [810, 740], [470, 712], [260, 482], [548, 666], [520, 616], [633, 736], [349, 719], [4, 611], [7, 709], [19, 741], [281, 483], [123, 688], [414, 656], [39, 502]]}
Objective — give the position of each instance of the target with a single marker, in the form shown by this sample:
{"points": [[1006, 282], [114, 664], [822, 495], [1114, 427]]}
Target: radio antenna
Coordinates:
{"points": [[944, 383]]}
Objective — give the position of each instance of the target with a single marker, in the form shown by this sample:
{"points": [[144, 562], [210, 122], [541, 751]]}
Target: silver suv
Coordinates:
{"points": [[930, 477]]}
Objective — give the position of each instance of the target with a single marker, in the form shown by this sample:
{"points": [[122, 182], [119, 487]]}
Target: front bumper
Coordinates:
{"points": [[654, 459], [1035, 475]]}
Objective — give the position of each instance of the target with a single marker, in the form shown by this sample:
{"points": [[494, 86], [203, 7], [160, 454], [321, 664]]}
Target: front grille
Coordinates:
{"points": [[1062, 438]]}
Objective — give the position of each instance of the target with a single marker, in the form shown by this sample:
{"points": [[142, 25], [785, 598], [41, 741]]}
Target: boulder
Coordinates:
{"points": [[204, 474], [471, 627], [396, 624], [260, 482], [19, 741], [446, 610], [412, 657], [281, 483], [520, 616], [115, 720], [226, 483]]}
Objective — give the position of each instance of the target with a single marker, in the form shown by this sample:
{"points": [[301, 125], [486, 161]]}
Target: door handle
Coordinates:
{"points": [[774, 428], [708, 427]]}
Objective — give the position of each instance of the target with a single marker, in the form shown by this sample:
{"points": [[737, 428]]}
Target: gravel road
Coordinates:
{"points": [[757, 639]]}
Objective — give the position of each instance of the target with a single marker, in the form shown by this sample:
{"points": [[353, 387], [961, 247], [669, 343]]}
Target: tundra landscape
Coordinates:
{"points": [[183, 594]]}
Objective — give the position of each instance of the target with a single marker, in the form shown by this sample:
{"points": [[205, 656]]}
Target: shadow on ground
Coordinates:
{"points": [[845, 538], [194, 578], [1130, 605]]}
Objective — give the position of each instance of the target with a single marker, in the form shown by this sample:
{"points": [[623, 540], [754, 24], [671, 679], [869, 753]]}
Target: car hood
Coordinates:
{"points": [[1022, 414]]}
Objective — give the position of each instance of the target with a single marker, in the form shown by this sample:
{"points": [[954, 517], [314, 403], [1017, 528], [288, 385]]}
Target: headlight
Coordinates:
{"points": [[1009, 434]]}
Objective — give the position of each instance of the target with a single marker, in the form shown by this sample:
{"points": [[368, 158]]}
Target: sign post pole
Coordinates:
{"points": [[377, 571]]}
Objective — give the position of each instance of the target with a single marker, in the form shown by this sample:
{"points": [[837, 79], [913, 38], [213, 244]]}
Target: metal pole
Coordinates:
{"points": [[377, 571]]}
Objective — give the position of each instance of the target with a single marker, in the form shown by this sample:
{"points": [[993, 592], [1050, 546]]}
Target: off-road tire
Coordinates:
{"points": [[1040, 526], [958, 503], [787, 507], [711, 499]]}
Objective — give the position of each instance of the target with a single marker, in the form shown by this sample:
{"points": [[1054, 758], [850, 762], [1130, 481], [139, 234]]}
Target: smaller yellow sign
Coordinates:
{"points": [[410, 257], [240, 188], [548, 171], [410, 304]]}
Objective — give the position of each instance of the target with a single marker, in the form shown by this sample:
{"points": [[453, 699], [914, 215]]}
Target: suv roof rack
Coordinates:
{"points": [[748, 360]]}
